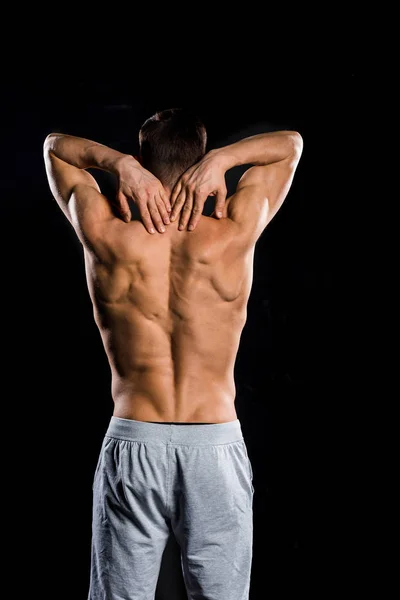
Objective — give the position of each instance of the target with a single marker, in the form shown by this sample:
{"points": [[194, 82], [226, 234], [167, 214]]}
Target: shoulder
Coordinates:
{"points": [[211, 239]]}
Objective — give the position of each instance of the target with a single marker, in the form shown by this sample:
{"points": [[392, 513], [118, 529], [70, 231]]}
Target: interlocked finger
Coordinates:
{"points": [[179, 202], [123, 206], [175, 193], [186, 210], [197, 210], [146, 218], [155, 216], [162, 210]]}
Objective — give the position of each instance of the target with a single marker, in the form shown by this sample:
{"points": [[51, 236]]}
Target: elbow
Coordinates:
{"points": [[296, 144], [49, 142]]}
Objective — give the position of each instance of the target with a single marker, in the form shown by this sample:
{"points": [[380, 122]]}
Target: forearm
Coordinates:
{"points": [[85, 154], [261, 149]]}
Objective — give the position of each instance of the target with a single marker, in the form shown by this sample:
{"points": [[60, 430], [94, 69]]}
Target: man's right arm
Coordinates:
{"points": [[261, 190]]}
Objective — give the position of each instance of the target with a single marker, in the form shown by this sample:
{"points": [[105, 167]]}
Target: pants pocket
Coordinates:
{"points": [[251, 474], [99, 461], [249, 466]]}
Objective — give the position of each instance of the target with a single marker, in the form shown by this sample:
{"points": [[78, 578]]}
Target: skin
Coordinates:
{"points": [[171, 306]]}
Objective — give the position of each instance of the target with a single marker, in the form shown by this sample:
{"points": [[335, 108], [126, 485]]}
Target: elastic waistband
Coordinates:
{"points": [[143, 431]]}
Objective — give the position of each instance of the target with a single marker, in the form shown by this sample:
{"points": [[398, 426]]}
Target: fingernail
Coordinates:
{"points": [[219, 214], [152, 230], [180, 227], [166, 221], [191, 227], [162, 229], [173, 218], [169, 209]]}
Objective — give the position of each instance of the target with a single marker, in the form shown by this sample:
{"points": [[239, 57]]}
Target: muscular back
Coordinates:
{"points": [[170, 309]]}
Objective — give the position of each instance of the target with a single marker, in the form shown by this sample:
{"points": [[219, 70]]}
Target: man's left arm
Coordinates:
{"points": [[77, 193]]}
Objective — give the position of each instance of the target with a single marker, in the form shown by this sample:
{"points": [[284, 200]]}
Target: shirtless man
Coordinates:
{"points": [[169, 296]]}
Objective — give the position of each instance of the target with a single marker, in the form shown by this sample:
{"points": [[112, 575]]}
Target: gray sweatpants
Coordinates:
{"points": [[193, 480]]}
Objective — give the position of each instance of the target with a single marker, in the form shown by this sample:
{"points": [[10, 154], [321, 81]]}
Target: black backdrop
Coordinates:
{"points": [[287, 367]]}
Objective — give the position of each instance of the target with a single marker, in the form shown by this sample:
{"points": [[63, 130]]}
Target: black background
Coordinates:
{"points": [[291, 353]]}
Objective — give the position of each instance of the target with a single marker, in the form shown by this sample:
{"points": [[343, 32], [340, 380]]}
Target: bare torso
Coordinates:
{"points": [[170, 309]]}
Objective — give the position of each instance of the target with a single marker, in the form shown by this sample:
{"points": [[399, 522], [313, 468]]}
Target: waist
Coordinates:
{"points": [[209, 403], [197, 434]]}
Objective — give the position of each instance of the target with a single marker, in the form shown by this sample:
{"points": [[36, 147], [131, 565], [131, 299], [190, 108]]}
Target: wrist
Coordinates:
{"points": [[124, 163], [224, 157]]}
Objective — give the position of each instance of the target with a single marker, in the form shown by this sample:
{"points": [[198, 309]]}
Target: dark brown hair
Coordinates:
{"points": [[171, 141]]}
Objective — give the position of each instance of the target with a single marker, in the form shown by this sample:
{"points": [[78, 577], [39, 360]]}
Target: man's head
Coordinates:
{"points": [[171, 141]]}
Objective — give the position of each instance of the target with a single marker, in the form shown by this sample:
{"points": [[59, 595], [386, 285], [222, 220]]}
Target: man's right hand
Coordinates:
{"points": [[205, 178]]}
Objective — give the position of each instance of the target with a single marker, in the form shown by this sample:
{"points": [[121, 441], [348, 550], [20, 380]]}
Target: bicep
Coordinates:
{"points": [[260, 194], [78, 195], [63, 178], [90, 214]]}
